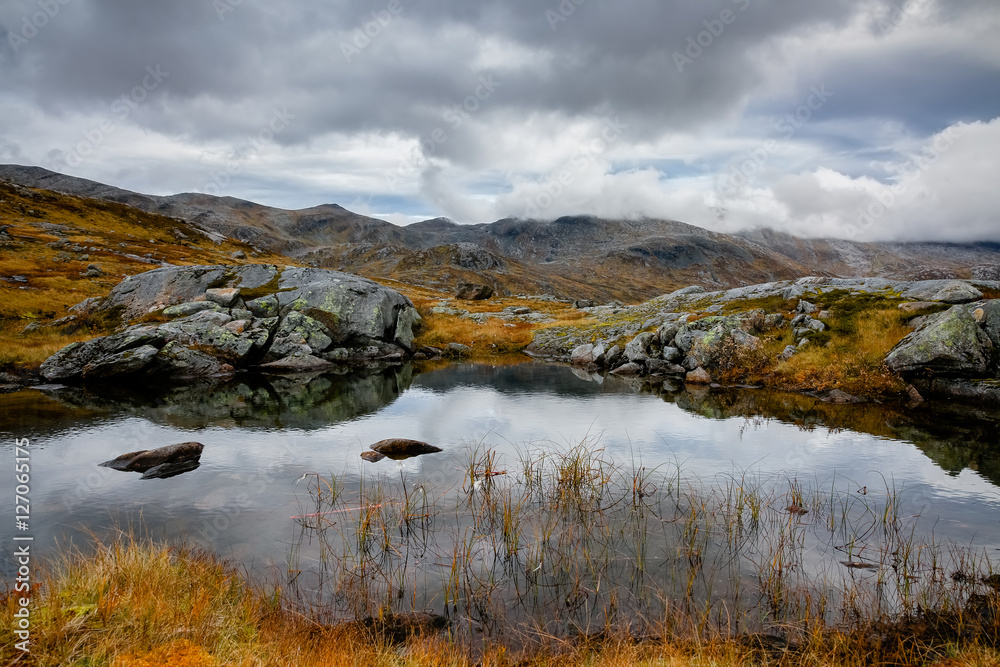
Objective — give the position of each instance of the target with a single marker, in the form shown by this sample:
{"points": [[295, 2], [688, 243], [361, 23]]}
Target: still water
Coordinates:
{"points": [[263, 435]]}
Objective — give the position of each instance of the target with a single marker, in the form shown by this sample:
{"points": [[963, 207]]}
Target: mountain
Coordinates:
{"points": [[573, 256]]}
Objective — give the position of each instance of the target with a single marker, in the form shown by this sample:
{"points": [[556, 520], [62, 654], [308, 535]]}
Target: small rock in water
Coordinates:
{"points": [[402, 448], [372, 456], [144, 460]]}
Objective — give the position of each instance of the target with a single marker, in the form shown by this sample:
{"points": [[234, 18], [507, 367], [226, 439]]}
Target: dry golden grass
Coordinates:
{"points": [[138, 604], [106, 233], [853, 360]]}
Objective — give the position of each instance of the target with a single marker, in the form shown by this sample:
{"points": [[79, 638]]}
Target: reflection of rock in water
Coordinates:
{"points": [[954, 436], [302, 401]]}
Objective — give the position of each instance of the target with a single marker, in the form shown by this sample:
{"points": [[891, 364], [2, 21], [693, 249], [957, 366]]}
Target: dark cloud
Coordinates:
{"points": [[667, 68]]}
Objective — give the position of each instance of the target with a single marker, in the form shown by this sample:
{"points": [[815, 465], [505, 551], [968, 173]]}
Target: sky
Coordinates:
{"points": [[859, 119]]}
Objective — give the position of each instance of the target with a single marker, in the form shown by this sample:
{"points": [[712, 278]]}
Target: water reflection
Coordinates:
{"points": [[262, 434]]}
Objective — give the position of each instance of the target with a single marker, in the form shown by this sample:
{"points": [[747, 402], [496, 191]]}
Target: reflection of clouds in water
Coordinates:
{"points": [[256, 468]]}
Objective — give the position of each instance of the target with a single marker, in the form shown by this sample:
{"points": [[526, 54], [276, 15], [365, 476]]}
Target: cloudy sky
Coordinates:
{"points": [[864, 119]]}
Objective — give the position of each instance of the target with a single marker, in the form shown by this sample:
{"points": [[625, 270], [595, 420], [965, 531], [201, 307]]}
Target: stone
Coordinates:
{"points": [[141, 293], [667, 332], [638, 349], [86, 305], [265, 306], [354, 310], [628, 370], [698, 376], [841, 397], [238, 254], [948, 344], [672, 354], [473, 292], [584, 303], [582, 355], [372, 456], [914, 395], [947, 291], [305, 363], [457, 350], [789, 352], [300, 329], [407, 323], [223, 296], [661, 368], [179, 362], [69, 362], [916, 306], [166, 470], [403, 448], [613, 356], [989, 322], [127, 362], [145, 459], [806, 308], [190, 308]]}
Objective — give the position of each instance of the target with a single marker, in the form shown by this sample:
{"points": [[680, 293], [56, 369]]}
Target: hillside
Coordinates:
{"points": [[571, 257]]}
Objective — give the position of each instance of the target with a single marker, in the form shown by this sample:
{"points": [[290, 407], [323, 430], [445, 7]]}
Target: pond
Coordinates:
{"points": [[272, 443]]}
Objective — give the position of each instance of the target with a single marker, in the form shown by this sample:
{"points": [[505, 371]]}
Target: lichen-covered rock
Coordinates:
{"points": [[639, 348], [179, 362], [102, 354], [302, 363], [473, 292], [353, 309], [171, 285], [948, 344], [947, 291], [265, 306], [297, 313]]}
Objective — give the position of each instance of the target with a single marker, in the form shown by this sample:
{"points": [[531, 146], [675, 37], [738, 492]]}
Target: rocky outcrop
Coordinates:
{"points": [[948, 344], [221, 319]]}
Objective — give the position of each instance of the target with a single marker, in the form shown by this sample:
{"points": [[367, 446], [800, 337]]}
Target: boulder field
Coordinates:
{"points": [[203, 321], [955, 351]]}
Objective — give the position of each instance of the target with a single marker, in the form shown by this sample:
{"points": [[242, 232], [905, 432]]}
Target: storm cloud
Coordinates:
{"points": [[865, 119]]}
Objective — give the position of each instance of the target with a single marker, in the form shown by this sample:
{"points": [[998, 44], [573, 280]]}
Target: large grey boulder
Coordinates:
{"points": [[293, 313], [353, 309], [98, 357], [947, 291], [950, 344], [154, 290]]}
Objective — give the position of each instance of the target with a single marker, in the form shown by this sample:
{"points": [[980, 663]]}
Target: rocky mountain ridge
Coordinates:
{"points": [[571, 257]]}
